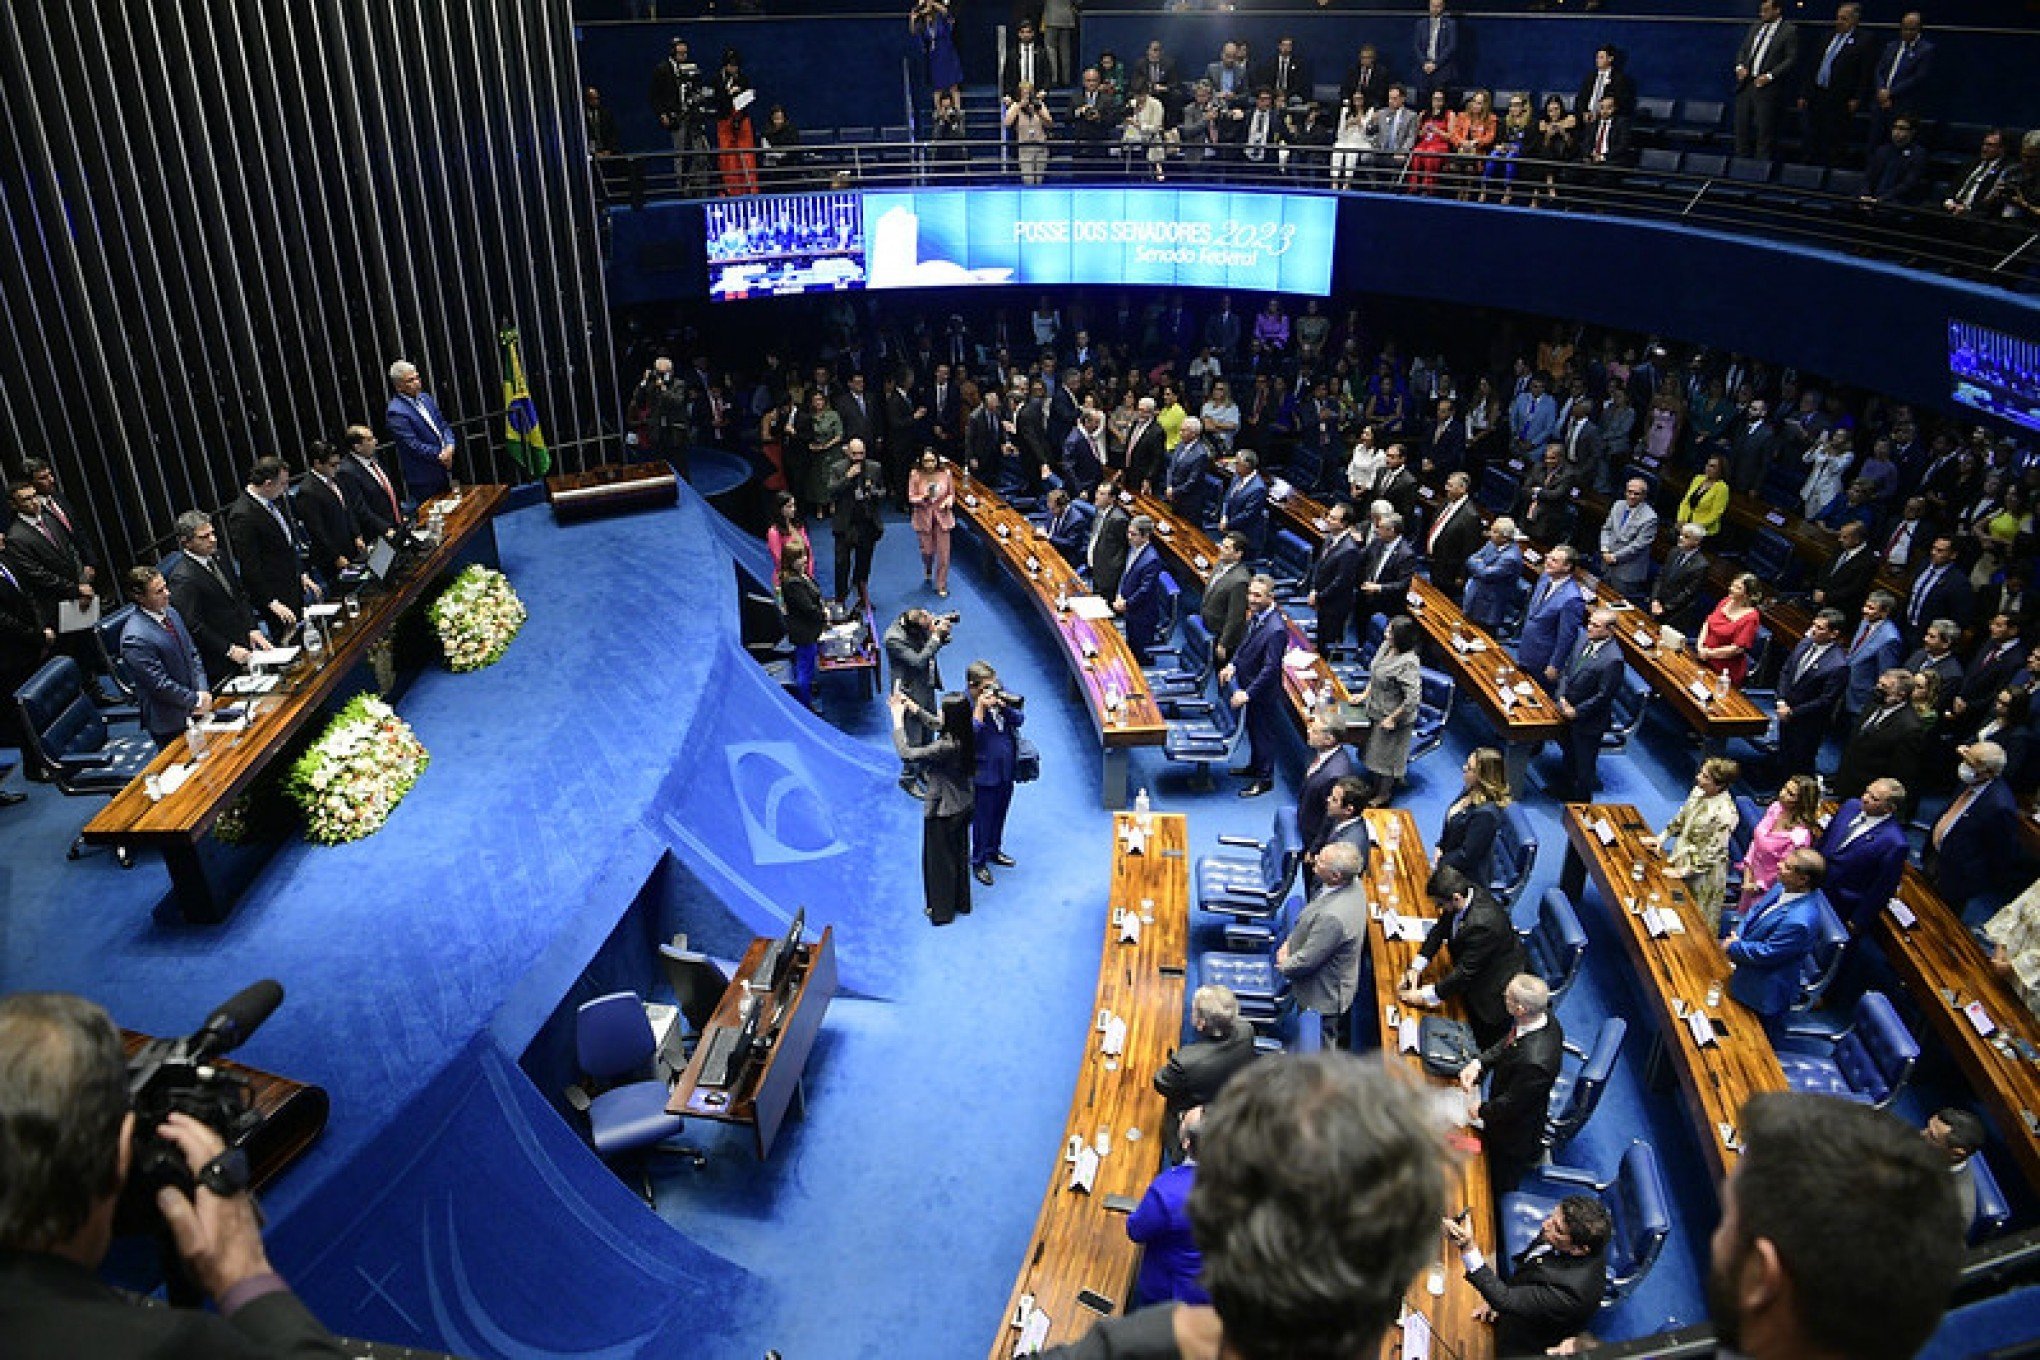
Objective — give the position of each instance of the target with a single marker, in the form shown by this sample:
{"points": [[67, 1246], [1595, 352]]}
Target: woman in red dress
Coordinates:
{"points": [[1731, 630], [735, 140], [1434, 143]]}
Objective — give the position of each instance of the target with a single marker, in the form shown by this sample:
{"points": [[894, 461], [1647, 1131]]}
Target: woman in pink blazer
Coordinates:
{"points": [[932, 494]]}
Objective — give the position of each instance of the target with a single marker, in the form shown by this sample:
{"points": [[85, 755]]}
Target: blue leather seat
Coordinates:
{"points": [[1993, 1210], [107, 633], [68, 735], [1497, 490], [1434, 710], [1515, 855], [626, 1099], [1869, 1062], [1817, 973], [1203, 739], [1576, 1094], [1289, 561], [1186, 674], [1630, 703], [1252, 977], [1172, 609], [1635, 1198], [1556, 942], [1252, 887]]}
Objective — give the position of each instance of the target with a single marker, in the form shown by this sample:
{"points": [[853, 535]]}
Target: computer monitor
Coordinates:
{"points": [[784, 951], [381, 557]]}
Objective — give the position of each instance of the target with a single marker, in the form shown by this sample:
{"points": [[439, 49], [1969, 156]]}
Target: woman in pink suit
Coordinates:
{"points": [[932, 494], [1791, 823]]}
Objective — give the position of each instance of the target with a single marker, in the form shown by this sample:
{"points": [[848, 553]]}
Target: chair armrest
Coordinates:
{"points": [[1246, 841], [1575, 1050], [1566, 1175], [578, 1098]]}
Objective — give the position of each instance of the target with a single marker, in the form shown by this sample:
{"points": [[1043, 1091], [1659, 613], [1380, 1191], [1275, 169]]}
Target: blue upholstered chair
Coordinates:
{"points": [[625, 1100], [1252, 977], [1631, 702], [1182, 674], [1993, 1210], [1203, 739], [1576, 1094], [1817, 973], [1635, 1198], [1515, 856], [1434, 710], [1289, 563], [1251, 887], [1869, 1062], [66, 734], [1556, 943]]}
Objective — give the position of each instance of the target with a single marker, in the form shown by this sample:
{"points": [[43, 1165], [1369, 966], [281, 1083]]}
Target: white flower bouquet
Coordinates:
{"points": [[476, 617], [354, 775]]}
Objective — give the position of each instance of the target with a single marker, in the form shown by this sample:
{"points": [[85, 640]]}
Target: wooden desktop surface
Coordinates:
{"points": [[1718, 1079], [293, 1114], [1098, 656], [1077, 1243], [761, 1096], [1397, 878], [234, 759], [1938, 958]]}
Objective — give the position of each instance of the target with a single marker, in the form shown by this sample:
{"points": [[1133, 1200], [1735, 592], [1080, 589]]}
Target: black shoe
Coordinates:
{"points": [[1255, 790], [982, 874], [8, 798], [1003, 860]]}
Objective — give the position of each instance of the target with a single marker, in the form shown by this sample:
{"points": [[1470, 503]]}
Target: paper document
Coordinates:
{"points": [[1091, 607], [73, 617], [273, 656], [1416, 1337], [1085, 1174], [1408, 1035], [249, 684], [1901, 913], [321, 611], [1701, 1027], [1298, 659], [1114, 1042]]}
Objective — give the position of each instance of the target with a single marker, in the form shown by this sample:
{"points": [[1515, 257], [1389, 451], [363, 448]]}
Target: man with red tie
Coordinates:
{"points": [[371, 495], [169, 677]]}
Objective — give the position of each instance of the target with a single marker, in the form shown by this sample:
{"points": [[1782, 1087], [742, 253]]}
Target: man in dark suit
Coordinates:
{"points": [[267, 545], [2008, 596], [1026, 62], [1521, 1067], [1486, 954], [1146, 448], [1552, 620], [1763, 65], [1455, 534], [25, 643], [1810, 688], [859, 413], [66, 1071], [1677, 591], [1345, 824], [1608, 143], [1255, 672], [1287, 73], [1394, 483], [1865, 848], [1069, 525], [1889, 738], [1093, 117], [1975, 842], [1898, 77], [1547, 497], [1837, 81], [424, 437], [1368, 78], [1244, 510], [1224, 607], [1995, 666], [1387, 566], [1035, 461], [1139, 599], [1082, 461], [1606, 80], [370, 493], [156, 647], [207, 592], [1335, 579], [1157, 70], [1330, 762], [1105, 552], [988, 441], [43, 477], [1445, 446], [1896, 173], [1434, 52], [1844, 580], [1195, 1073], [1183, 484], [1555, 1284], [1223, 329], [44, 558], [1770, 942], [333, 540], [1936, 656], [1586, 696], [898, 443]]}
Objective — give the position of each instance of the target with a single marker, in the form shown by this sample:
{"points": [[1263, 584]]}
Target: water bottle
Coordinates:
{"points": [[194, 738], [315, 641], [1140, 802]]}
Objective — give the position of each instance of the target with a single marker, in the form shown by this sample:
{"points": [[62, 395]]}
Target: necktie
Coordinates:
{"points": [[1806, 662], [1431, 48], [1827, 63], [1921, 591], [1966, 195], [212, 565], [1900, 538], [42, 525], [375, 470], [1891, 76], [1601, 143], [1856, 642], [1954, 814], [1862, 824], [281, 522], [1757, 53], [50, 507]]}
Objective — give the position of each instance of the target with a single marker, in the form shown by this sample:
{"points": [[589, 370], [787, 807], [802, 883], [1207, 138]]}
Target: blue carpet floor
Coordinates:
{"points": [[449, 1205]]}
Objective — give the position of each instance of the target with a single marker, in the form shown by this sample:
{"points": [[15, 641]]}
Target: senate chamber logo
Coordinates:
{"points": [[786, 818]]}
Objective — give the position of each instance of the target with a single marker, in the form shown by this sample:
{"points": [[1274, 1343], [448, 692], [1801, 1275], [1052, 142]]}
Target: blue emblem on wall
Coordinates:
{"points": [[786, 819]]}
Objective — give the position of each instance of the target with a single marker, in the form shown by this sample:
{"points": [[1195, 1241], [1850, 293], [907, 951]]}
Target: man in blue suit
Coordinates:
{"points": [[1977, 838], [1552, 622], [1586, 696], [161, 656], [1865, 848], [1810, 687], [424, 436], [1183, 485], [1256, 676], [1069, 525], [1245, 510], [1329, 763], [1139, 602], [1940, 591], [1335, 579], [1170, 1263], [1434, 51], [1896, 80], [995, 723], [1083, 455], [1772, 941], [1875, 649]]}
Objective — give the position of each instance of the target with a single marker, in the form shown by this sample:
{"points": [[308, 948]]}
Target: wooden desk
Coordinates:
{"points": [[1102, 667], [1670, 674], [1718, 1079], [611, 488], [864, 663], [1400, 866], [293, 1115], [1488, 675], [1190, 550], [1937, 957], [205, 877], [792, 1019], [1077, 1243]]}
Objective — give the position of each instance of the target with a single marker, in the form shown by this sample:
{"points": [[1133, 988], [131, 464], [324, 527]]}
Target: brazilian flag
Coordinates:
{"points": [[520, 431]]}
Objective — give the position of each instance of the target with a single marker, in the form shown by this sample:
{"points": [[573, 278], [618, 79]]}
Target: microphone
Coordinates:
{"points": [[238, 1017]]}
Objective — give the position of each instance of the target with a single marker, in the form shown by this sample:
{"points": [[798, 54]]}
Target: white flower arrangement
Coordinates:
{"points": [[476, 617], [352, 778]]}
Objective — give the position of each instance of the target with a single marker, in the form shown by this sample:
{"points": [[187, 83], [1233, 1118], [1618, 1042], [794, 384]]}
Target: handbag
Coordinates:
{"points": [[1446, 1046], [1026, 762]]}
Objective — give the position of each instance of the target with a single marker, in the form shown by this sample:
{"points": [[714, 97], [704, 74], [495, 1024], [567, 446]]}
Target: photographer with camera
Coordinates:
{"points": [[996, 716], [668, 412], [1028, 120], [69, 1141], [911, 645]]}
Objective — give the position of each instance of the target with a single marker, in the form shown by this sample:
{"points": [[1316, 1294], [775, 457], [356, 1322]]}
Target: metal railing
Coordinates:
{"points": [[1997, 253]]}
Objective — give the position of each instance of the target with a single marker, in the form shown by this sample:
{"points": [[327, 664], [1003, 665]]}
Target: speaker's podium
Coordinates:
{"points": [[746, 1068]]}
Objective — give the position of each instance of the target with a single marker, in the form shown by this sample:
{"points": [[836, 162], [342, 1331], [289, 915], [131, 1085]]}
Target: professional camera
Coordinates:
{"points": [[179, 1075], [1009, 699], [952, 618]]}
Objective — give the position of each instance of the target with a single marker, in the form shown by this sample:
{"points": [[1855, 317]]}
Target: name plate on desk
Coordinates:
{"points": [[1701, 1028], [1902, 914], [1979, 1019], [1416, 1336], [321, 611], [1092, 607], [273, 656], [1644, 638], [1700, 690], [1202, 562], [1164, 528], [1409, 1036], [1603, 832], [1774, 518], [1297, 659], [1084, 1174], [1662, 921]]}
